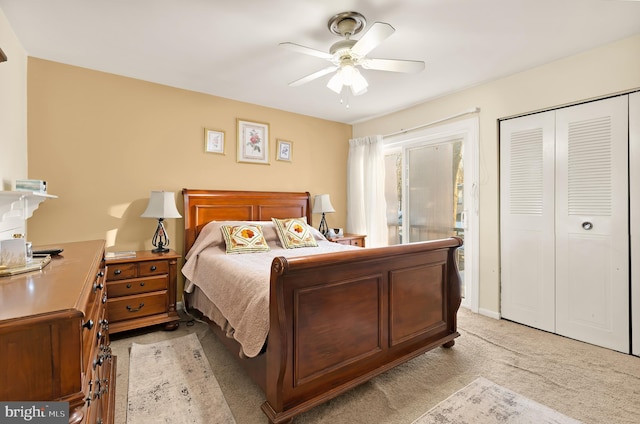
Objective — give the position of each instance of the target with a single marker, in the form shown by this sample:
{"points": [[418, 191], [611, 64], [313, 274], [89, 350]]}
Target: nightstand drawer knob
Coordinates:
{"points": [[117, 272], [130, 309], [88, 325], [128, 285], [142, 284], [153, 268]]}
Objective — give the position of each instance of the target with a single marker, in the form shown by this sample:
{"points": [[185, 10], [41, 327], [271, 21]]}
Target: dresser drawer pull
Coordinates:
{"points": [[90, 396], [128, 285], [153, 268], [142, 284], [104, 298], [88, 325], [100, 274], [130, 309], [97, 362], [117, 272]]}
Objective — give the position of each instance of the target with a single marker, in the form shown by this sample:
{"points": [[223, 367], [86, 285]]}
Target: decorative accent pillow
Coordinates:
{"points": [[244, 238], [294, 232]]}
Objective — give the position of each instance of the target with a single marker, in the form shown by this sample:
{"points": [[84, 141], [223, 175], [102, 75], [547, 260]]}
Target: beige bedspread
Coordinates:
{"points": [[238, 284]]}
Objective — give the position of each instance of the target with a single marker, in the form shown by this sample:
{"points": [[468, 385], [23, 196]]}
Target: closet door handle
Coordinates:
{"points": [[587, 225]]}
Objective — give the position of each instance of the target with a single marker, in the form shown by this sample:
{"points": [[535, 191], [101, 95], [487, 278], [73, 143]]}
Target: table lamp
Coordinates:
{"points": [[161, 205], [322, 204]]}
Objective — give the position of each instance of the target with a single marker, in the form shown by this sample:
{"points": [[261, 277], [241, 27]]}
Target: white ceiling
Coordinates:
{"points": [[230, 48]]}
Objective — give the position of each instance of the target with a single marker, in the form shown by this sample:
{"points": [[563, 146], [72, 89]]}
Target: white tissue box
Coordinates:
{"points": [[13, 252]]}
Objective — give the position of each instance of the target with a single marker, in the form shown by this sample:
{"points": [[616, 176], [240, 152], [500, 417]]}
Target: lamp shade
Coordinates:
{"points": [[351, 77], [322, 204], [162, 204]]}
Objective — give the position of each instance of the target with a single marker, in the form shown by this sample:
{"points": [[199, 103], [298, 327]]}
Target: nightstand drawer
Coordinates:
{"points": [[129, 307], [349, 240], [121, 271], [142, 290], [342, 241], [136, 286], [153, 268], [357, 242]]}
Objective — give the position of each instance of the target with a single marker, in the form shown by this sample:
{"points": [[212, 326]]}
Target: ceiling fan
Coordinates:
{"points": [[347, 55]]}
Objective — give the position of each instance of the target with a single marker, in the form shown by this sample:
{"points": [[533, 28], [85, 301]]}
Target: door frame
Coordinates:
{"points": [[468, 130]]}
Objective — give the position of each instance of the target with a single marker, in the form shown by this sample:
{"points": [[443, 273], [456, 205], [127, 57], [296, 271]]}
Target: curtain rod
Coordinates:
{"points": [[457, 115]]}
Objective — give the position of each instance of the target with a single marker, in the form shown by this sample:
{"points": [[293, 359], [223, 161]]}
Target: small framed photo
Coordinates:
{"points": [[253, 142], [284, 150], [214, 141]]}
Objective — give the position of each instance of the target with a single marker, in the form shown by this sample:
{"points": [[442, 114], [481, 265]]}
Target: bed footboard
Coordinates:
{"points": [[337, 320]]}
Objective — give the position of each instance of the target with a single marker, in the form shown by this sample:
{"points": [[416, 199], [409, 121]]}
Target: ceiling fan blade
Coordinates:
{"points": [[306, 50], [406, 66], [371, 39], [313, 76]]}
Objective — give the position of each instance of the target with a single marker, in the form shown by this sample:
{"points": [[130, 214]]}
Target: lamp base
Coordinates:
{"points": [[323, 228], [160, 239]]}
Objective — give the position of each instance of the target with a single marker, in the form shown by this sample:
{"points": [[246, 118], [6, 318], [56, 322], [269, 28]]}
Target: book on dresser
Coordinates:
{"points": [[54, 335]]}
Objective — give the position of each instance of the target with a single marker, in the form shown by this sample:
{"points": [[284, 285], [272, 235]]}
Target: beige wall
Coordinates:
{"points": [[600, 72], [13, 108], [103, 142]]}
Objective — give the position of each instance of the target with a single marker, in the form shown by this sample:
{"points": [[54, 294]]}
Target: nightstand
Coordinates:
{"points": [[141, 290], [351, 239]]}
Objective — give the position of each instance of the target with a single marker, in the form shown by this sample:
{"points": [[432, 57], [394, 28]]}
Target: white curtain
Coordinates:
{"points": [[366, 205]]}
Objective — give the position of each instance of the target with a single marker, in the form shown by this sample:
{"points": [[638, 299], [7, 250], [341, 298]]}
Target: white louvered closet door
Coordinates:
{"points": [[592, 241], [527, 220]]}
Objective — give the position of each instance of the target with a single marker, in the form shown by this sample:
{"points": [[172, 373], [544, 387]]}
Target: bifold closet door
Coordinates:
{"points": [[527, 220], [592, 216], [634, 190]]}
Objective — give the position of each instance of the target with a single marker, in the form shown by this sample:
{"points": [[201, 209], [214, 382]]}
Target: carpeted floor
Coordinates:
{"points": [[585, 382]]}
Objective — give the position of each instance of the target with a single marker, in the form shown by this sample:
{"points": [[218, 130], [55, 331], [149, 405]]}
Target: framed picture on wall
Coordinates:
{"points": [[284, 150], [214, 141], [253, 142]]}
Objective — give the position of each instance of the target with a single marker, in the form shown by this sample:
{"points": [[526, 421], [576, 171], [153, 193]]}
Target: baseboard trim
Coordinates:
{"points": [[488, 313]]}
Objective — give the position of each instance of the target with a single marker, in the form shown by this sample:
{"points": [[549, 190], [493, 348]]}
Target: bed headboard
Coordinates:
{"points": [[204, 206]]}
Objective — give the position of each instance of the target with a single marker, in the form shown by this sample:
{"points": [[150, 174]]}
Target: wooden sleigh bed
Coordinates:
{"points": [[338, 319]]}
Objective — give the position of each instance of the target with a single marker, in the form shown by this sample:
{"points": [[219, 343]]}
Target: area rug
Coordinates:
{"points": [[484, 402], [172, 382]]}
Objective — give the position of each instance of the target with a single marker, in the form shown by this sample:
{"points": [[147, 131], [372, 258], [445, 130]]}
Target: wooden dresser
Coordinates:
{"points": [[54, 336], [142, 290]]}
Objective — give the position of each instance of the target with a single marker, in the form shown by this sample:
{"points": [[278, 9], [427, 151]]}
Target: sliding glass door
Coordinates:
{"points": [[427, 192], [433, 193]]}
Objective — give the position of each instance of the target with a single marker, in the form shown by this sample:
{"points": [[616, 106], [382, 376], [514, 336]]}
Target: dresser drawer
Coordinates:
{"points": [[137, 286], [130, 307], [152, 268], [121, 271]]}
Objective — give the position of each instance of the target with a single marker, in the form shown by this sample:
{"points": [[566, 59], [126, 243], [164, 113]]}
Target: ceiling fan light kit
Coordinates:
{"points": [[348, 76], [347, 55]]}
